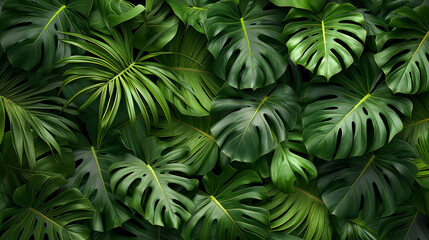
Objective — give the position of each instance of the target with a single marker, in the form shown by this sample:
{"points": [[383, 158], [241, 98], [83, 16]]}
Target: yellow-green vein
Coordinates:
{"points": [[247, 39], [50, 20], [226, 212]]}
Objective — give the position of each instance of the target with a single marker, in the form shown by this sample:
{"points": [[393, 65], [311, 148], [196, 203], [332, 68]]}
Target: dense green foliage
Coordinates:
{"points": [[214, 119]]}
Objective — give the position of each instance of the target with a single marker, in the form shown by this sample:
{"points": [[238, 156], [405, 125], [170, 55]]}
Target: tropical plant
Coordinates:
{"points": [[214, 119]]}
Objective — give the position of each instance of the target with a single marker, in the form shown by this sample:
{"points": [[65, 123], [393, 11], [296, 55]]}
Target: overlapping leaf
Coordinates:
{"points": [[373, 184], [31, 111], [312, 5], [117, 76], [406, 62], [193, 62], [39, 26], [193, 133], [222, 213], [288, 167], [192, 12], [240, 38], [418, 124], [41, 213], [255, 121], [151, 184], [324, 41], [301, 213], [158, 27], [93, 180], [407, 223], [355, 114]]}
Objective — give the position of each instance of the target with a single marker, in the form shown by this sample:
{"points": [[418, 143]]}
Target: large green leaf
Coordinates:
{"points": [[39, 26], [40, 213], [312, 5], [406, 224], [153, 185], [158, 27], [117, 76], [192, 12], [222, 213], [255, 121], [355, 114], [326, 40], [193, 133], [240, 38], [301, 213], [193, 62], [93, 180], [31, 111], [405, 61], [372, 184], [418, 124], [288, 167]]}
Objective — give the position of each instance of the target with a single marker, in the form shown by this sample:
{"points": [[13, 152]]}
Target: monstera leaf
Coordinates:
{"points": [[40, 213], [405, 62], [222, 212], [407, 223], [193, 133], [151, 183], [312, 5], [241, 38], [418, 124], [301, 213], [31, 111], [192, 12], [358, 184], [39, 26], [255, 121], [158, 28], [92, 179], [287, 166], [326, 40], [193, 62], [348, 121]]}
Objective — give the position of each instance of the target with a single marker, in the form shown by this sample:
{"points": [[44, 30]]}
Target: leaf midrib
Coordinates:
{"points": [[226, 212], [352, 110], [49, 22], [415, 52], [46, 218]]}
